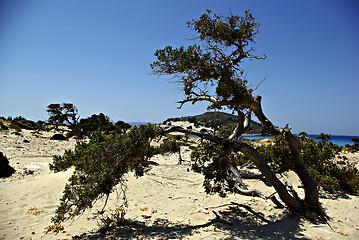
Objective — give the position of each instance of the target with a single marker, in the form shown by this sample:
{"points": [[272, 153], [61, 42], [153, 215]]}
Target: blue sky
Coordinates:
{"points": [[97, 55]]}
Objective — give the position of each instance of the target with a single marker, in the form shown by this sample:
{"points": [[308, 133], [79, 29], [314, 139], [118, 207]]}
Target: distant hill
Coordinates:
{"points": [[215, 119]]}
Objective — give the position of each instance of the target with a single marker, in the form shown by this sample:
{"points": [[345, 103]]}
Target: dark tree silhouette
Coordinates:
{"points": [[65, 113]]}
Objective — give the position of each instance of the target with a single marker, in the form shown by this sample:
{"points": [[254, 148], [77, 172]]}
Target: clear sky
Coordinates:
{"points": [[96, 54]]}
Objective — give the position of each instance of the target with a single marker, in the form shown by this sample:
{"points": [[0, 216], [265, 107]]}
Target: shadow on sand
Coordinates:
{"points": [[238, 222]]}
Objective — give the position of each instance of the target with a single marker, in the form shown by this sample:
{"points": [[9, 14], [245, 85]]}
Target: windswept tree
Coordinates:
{"points": [[65, 113], [212, 72], [71, 112], [56, 116]]}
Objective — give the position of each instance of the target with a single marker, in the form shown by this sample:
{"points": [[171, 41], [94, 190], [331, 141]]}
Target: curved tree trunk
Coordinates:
{"points": [[262, 166], [311, 200]]}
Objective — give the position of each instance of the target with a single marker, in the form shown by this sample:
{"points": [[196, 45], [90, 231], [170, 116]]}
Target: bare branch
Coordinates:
{"points": [[235, 131], [201, 98], [242, 125], [216, 50], [259, 83], [256, 57]]}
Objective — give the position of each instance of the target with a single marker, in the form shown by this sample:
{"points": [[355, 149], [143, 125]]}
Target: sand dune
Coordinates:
{"points": [[170, 196]]}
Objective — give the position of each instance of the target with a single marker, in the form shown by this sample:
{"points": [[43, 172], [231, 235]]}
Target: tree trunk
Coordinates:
{"points": [[262, 166], [312, 205]]}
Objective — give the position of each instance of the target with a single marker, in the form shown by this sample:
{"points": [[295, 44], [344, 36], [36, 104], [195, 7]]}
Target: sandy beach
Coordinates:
{"points": [[169, 202]]}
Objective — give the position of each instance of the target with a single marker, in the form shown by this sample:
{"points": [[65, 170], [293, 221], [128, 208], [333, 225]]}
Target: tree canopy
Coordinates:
{"points": [[65, 113], [227, 41]]}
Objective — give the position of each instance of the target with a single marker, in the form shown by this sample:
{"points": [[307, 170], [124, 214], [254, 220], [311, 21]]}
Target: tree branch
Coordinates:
{"points": [[256, 57], [202, 98], [256, 158]]}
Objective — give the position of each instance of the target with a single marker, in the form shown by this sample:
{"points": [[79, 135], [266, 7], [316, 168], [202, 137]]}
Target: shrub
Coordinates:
{"points": [[100, 122], [5, 169], [2, 125], [100, 165], [211, 161], [354, 147], [15, 126], [319, 157], [24, 123]]}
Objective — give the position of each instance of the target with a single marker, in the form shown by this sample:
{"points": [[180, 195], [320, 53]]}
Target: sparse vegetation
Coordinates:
{"points": [[320, 158], [115, 219], [354, 147], [35, 211], [101, 164], [15, 126], [54, 228]]}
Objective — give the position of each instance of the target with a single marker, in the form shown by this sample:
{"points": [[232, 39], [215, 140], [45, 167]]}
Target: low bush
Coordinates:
{"points": [[15, 126], [5, 169], [320, 158], [101, 164], [354, 147]]}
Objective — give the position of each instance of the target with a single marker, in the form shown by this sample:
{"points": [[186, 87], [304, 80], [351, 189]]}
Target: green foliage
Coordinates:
{"points": [[169, 146], [319, 157], [211, 160], [5, 169], [121, 126], [277, 155], [225, 131], [226, 42], [226, 30], [354, 147], [329, 170], [100, 165], [116, 219]]}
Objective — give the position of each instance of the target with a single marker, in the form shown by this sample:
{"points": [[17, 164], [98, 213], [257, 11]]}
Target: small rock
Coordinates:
{"points": [[202, 210], [146, 216]]}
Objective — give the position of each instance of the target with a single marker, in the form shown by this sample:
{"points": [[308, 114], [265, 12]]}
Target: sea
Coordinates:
{"points": [[336, 139]]}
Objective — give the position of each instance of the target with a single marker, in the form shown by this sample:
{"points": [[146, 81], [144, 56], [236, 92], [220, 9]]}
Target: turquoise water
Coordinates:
{"points": [[336, 139]]}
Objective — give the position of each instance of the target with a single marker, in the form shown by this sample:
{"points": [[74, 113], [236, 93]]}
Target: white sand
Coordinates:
{"points": [[169, 193]]}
